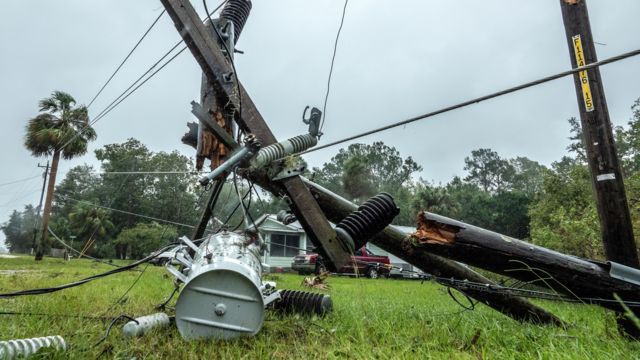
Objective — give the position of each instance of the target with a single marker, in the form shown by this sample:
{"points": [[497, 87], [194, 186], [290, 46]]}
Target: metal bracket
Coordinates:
{"points": [[623, 272], [189, 243], [180, 276], [289, 167], [225, 29], [252, 145], [313, 121]]}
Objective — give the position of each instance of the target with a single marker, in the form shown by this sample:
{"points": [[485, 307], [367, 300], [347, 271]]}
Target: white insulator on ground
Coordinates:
{"points": [[145, 324], [24, 348]]}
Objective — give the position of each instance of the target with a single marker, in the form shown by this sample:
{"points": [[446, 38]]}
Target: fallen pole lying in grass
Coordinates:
{"points": [[394, 241], [590, 281]]}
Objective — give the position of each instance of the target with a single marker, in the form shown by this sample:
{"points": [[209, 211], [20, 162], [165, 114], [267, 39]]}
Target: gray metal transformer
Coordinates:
{"points": [[223, 295]]}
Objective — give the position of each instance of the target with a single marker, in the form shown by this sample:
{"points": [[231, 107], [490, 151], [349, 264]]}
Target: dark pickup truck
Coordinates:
{"points": [[364, 262]]}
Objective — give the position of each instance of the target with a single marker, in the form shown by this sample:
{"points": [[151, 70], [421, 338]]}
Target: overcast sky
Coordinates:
{"points": [[396, 59]]}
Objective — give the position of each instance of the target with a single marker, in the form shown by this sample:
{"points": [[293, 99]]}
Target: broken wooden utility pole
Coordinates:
{"points": [[588, 280], [613, 210], [219, 72], [396, 242]]}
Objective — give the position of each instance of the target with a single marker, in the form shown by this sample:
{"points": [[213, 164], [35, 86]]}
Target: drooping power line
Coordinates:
{"points": [[479, 99], [20, 180], [126, 58], [126, 212], [126, 93], [333, 59]]}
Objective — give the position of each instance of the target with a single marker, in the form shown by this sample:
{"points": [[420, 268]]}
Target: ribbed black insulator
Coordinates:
{"points": [[293, 301], [370, 218], [236, 11]]}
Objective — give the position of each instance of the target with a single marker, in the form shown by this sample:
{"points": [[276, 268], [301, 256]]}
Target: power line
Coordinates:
{"points": [[41, 291], [127, 212], [20, 180], [153, 66], [76, 251], [113, 106], [117, 102], [479, 99], [120, 98], [150, 172], [333, 58], [126, 58]]}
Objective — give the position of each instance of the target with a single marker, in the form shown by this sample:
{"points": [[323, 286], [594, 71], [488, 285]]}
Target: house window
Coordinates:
{"points": [[284, 245]]}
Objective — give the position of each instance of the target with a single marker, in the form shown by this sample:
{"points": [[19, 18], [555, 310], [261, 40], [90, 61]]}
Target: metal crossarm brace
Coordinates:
{"points": [[219, 72]]}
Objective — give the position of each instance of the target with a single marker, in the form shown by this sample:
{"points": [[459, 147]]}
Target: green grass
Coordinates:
{"points": [[371, 319]]}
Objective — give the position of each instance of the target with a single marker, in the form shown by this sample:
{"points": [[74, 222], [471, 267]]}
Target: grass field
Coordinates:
{"points": [[371, 319]]}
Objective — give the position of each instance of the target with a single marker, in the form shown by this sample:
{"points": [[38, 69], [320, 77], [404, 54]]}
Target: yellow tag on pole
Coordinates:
{"points": [[584, 77]]}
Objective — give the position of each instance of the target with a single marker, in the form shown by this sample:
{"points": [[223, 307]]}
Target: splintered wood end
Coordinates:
{"points": [[431, 232]]}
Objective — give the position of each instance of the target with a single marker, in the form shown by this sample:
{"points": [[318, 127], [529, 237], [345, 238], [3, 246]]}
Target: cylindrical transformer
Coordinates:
{"points": [[24, 348], [222, 296]]}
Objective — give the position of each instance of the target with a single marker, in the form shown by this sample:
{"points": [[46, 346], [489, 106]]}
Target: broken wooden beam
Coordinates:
{"points": [[576, 277]]}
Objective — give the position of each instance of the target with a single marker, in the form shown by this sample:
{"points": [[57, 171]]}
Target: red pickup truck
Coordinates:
{"points": [[364, 262]]}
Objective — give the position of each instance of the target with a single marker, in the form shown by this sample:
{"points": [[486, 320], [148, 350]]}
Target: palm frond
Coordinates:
{"points": [[59, 124], [37, 140]]}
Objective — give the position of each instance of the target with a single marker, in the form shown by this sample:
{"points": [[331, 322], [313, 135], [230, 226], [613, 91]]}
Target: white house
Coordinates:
{"points": [[284, 242], [287, 241]]}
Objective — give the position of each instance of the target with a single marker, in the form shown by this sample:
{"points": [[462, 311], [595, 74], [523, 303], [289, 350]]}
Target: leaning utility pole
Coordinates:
{"points": [[613, 209], [219, 72], [37, 242]]}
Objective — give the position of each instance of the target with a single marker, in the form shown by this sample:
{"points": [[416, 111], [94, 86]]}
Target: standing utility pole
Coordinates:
{"points": [[611, 200], [36, 241]]}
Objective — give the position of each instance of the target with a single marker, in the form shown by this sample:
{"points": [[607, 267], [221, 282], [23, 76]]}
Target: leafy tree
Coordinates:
{"points": [[628, 142], [510, 213], [473, 203], [157, 185], [565, 218], [127, 192], [145, 238], [488, 170], [388, 170], [89, 223], [435, 199], [528, 175], [20, 230], [80, 183], [577, 141], [356, 178], [173, 194], [61, 129]]}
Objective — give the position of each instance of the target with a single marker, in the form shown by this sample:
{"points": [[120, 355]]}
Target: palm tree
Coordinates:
{"points": [[89, 223], [61, 129]]}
